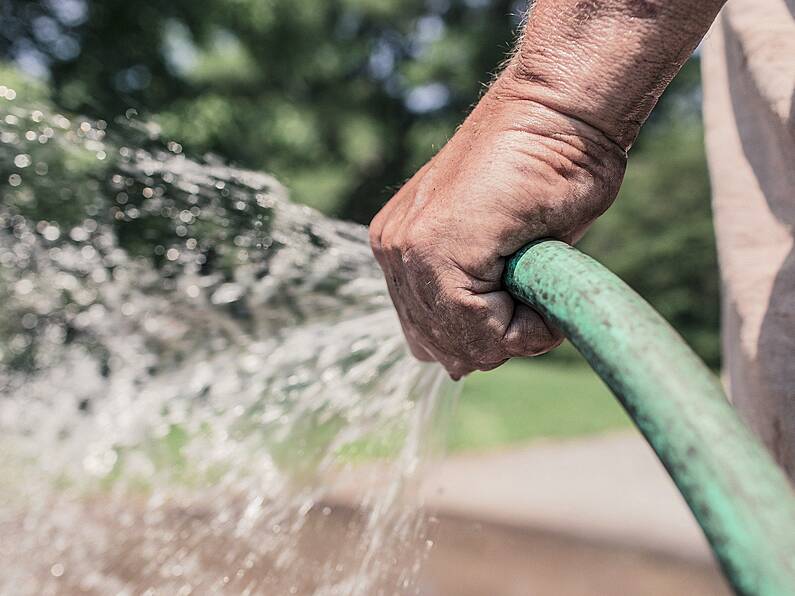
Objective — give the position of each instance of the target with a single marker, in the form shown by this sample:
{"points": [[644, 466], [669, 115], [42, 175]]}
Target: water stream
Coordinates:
{"points": [[187, 361]]}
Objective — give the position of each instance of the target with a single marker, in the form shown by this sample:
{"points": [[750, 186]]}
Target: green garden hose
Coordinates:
{"points": [[740, 497]]}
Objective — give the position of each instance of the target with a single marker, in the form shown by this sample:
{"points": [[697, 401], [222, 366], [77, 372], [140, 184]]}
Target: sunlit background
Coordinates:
{"points": [[342, 101]]}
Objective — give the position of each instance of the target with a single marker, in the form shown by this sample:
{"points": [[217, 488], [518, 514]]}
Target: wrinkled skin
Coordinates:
{"points": [[514, 172], [542, 155]]}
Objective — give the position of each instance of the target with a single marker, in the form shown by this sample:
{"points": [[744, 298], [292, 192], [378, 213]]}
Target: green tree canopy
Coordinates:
{"points": [[344, 99]]}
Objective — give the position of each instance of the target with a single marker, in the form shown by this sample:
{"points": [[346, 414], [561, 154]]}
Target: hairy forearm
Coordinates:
{"points": [[607, 62]]}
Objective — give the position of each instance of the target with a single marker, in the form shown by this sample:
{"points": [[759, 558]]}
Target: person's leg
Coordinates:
{"points": [[749, 111]]}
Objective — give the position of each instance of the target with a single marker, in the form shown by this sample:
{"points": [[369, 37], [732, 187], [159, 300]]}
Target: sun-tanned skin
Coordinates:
{"points": [[541, 155]]}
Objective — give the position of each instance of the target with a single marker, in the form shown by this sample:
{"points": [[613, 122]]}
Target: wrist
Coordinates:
{"points": [[577, 97], [528, 107], [606, 63], [561, 156]]}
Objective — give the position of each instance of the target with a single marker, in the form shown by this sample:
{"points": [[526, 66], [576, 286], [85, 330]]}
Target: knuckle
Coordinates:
{"points": [[374, 235], [389, 243]]}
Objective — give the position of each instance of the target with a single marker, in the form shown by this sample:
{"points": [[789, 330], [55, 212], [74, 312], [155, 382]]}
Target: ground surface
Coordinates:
{"points": [[589, 516], [470, 558]]}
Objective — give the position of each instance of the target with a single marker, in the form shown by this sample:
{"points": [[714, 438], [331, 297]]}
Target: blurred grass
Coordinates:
{"points": [[531, 399], [522, 401]]}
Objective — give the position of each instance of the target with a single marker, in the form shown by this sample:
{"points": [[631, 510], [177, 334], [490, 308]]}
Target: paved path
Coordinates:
{"points": [[609, 488]]}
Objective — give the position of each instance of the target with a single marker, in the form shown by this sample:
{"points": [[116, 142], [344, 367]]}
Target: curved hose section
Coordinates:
{"points": [[740, 497]]}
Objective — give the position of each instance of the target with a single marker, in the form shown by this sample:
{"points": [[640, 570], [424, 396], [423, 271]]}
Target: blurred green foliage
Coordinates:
{"points": [[344, 99], [524, 401], [340, 99]]}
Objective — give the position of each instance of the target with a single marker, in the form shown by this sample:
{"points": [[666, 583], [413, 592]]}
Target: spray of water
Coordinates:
{"points": [[187, 360]]}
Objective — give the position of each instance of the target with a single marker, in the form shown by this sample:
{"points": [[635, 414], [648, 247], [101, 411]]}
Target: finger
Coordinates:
{"points": [[375, 233], [385, 220], [488, 367], [418, 350], [455, 368], [576, 235], [380, 219], [386, 213], [528, 334], [473, 327], [416, 347]]}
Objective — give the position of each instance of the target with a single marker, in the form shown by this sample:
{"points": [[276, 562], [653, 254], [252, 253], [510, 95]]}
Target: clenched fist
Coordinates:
{"points": [[514, 172]]}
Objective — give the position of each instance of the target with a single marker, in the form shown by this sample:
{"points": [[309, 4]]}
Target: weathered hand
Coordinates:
{"points": [[515, 171]]}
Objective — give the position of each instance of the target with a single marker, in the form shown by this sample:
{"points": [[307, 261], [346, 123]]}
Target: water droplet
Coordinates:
{"points": [[144, 386], [51, 233], [23, 287], [78, 234], [29, 320], [22, 160], [227, 293]]}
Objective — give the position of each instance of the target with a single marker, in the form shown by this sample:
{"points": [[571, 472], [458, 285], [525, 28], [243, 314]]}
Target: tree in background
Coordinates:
{"points": [[344, 99], [341, 99]]}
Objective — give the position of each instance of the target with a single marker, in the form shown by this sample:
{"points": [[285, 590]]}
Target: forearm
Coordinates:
{"points": [[607, 62]]}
